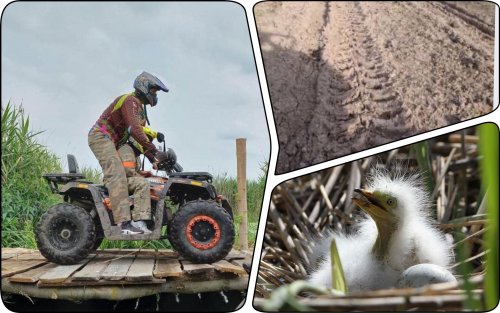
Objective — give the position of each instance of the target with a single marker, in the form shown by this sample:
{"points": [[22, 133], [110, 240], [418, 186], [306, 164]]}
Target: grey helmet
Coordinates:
{"points": [[143, 84]]}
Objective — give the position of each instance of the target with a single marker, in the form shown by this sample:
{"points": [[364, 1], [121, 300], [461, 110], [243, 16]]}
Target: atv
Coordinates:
{"points": [[201, 229]]}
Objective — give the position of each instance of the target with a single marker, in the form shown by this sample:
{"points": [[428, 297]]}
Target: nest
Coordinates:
{"points": [[306, 206]]}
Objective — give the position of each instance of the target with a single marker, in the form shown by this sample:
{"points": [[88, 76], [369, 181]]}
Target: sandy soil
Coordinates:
{"points": [[347, 76]]}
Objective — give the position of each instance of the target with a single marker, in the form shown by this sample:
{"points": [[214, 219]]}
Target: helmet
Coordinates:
{"points": [[143, 84]]}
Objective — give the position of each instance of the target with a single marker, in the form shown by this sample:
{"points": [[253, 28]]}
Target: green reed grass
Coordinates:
{"points": [[92, 174], [24, 192], [488, 145]]}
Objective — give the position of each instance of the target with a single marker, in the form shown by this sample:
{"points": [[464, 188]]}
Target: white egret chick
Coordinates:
{"points": [[397, 234]]}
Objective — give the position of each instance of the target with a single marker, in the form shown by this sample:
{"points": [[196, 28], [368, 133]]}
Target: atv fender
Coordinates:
{"points": [[227, 207], [74, 189], [190, 183]]}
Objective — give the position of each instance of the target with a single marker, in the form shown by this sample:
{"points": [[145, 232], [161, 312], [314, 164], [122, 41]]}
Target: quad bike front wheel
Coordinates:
{"points": [[65, 234], [202, 231]]}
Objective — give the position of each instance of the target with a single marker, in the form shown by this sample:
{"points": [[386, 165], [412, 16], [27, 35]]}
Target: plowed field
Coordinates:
{"points": [[347, 76]]}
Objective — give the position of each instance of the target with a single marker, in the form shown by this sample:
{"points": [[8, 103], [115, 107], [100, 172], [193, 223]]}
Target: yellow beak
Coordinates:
{"points": [[370, 204]]}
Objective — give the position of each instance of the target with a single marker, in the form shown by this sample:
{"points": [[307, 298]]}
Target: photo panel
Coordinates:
{"points": [[412, 228], [345, 76], [135, 152]]}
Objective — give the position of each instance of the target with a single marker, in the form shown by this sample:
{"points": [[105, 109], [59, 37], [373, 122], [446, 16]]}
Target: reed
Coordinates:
{"points": [[24, 192]]}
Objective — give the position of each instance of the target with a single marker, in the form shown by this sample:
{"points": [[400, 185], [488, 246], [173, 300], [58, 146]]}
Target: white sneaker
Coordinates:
{"points": [[142, 226], [128, 229]]}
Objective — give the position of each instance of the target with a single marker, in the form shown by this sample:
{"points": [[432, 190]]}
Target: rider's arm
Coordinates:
{"points": [[130, 110]]}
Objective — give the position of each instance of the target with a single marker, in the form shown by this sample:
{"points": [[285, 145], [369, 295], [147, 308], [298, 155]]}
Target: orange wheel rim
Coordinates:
{"points": [[203, 232]]}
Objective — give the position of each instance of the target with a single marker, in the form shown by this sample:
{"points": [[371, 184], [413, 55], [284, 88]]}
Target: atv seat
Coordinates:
{"points": [[200, 176]]}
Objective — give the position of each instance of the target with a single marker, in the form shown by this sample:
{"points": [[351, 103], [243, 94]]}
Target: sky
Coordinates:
{"points": [[66, 62]]}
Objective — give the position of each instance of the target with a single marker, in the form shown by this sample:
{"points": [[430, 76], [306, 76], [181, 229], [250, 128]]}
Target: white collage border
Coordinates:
{"points": [[274, 180]]}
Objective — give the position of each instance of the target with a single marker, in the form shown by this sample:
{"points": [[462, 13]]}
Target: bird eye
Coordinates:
{"points": [[390, 202]]}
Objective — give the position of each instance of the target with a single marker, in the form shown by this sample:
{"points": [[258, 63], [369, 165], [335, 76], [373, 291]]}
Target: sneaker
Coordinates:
{"points": [[142, 226], [129, 229]]}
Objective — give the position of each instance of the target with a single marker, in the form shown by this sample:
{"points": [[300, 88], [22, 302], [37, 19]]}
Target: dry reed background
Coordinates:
{"points": [[312, 203]]}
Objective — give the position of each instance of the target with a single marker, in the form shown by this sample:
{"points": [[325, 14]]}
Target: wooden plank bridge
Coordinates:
{"points": [[118, 274]]}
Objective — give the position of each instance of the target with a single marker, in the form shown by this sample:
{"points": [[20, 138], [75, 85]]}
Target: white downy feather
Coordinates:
{"points": [[416, 239]]}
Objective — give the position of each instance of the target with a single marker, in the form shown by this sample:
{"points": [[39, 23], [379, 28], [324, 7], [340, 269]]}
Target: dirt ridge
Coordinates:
{"points": [[468, 17]]}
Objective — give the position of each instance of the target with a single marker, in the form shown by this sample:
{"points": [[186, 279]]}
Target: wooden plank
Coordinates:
{"points": [[167, 268], [30, 256], [235, 254], [6, 256], [141, 269], [167, 253], [121, 252], [102, 282], [32, 275], [224, 266], [147, 251], [61, 272], [8, 253], [17, 250], [241, 262], [94, 269], [118, 268], [191, 268], [247, 262], [11, 266]]}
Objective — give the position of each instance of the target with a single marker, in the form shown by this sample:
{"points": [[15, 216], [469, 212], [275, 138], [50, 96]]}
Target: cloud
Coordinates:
{"points": [[67, 61]]}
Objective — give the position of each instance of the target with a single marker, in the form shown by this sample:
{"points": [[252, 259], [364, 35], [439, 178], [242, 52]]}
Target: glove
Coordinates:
{"points": [[160, 137]]}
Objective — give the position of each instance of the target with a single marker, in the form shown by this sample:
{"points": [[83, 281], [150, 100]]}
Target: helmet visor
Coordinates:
{"points": [[160, 86]]}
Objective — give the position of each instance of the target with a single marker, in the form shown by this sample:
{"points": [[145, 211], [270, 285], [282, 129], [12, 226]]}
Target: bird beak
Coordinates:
{"points": [[370, 204]]}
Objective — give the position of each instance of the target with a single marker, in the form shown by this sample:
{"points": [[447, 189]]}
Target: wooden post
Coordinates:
{"points": [[241, 160]]}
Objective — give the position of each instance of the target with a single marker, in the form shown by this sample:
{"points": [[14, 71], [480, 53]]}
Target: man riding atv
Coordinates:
{"points": [[183, 207], [123, 119]]}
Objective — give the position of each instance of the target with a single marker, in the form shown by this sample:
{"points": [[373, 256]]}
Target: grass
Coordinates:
{"points": [[488, 145], [26, 195]]}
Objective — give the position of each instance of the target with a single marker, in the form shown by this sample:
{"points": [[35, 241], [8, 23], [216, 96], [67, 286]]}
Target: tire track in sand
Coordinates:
{"points": [[348, 76], [358, 108]]}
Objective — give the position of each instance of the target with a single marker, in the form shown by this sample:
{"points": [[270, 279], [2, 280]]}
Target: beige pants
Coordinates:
{"points": [[137, 185], [115, 178]]}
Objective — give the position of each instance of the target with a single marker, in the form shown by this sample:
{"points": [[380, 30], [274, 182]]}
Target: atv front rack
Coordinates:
{"points": [[199, 176]]}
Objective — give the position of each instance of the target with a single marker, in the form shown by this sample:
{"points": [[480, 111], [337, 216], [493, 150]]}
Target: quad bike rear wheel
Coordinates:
{"points": [[65, 234], [202, 231]]}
